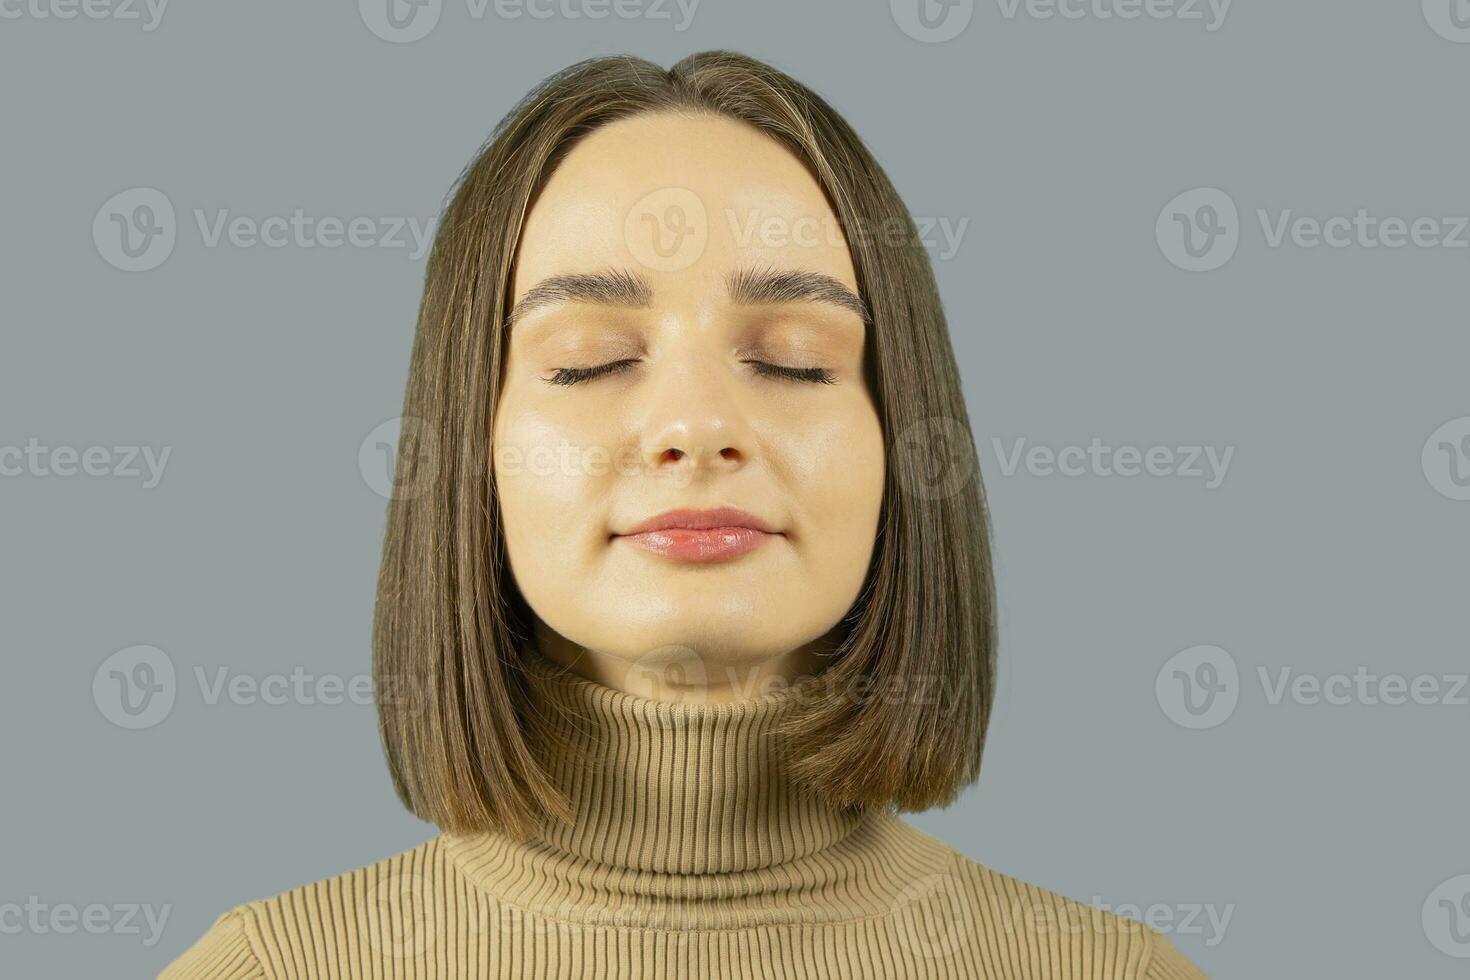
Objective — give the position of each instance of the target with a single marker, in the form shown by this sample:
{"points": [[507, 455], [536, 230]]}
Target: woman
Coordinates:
{"points": [[686, 591]]}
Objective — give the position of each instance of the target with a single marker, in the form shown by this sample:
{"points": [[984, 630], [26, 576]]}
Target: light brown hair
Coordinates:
{"points": [[909, 690]]}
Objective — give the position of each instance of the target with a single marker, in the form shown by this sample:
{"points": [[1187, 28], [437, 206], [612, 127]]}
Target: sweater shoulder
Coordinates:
{"points": [[331, 924], [224, 952], [1029, 931]]}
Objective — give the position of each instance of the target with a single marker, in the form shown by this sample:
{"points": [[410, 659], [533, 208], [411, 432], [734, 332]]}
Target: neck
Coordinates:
{"points": [[683, 674]]}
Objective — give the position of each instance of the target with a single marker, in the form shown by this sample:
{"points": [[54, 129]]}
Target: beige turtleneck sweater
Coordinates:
{"points": [[692, 856]]}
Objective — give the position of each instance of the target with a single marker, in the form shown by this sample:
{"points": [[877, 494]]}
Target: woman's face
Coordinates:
{"points": [[685, 339]]}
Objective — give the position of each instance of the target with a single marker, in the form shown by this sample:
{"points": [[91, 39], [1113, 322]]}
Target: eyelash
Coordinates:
{"points": [[814, 375], [571, 376]]}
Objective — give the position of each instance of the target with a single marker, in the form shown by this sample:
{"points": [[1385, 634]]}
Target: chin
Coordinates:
{"points": [[695, 622]]}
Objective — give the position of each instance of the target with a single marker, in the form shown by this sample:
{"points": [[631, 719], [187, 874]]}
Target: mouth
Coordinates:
{"points": [[720, 534]]}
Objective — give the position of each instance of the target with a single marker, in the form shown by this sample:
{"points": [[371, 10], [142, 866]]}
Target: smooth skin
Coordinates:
{"points": [[702, 400]]}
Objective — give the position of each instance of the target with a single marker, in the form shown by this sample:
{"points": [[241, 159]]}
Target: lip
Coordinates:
{"points": [[717, 534]]}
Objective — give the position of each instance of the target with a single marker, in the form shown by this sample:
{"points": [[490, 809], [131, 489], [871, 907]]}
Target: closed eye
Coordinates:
{"points": [[817, 375], [575, 375]]}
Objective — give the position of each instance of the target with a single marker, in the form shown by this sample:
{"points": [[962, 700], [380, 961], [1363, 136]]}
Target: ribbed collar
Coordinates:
{"points": [[683, 803]]}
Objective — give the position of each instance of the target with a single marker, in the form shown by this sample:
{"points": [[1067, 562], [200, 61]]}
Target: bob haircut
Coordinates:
{"points": [[903, 705]]}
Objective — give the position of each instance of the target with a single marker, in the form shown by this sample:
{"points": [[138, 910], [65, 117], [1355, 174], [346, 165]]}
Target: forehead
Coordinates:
{"points": [[682, 200]]}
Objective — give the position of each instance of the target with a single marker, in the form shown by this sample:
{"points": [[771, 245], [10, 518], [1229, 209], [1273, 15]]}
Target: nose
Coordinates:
{"points": [[694, 420]]}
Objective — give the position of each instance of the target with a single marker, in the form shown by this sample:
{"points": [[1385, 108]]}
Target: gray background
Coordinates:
{"points": [[1322, 830]]}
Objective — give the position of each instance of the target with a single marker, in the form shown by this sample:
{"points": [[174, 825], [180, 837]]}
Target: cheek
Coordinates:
{"points": [[837, 479], [550, 473]]}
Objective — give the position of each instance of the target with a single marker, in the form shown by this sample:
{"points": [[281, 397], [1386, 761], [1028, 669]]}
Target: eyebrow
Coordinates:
{"points": [[746, 287], [756, 286], [616, 287]]}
